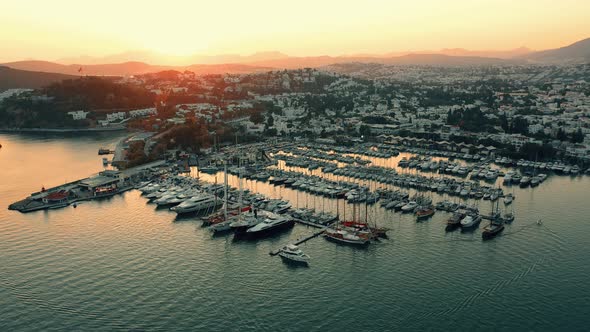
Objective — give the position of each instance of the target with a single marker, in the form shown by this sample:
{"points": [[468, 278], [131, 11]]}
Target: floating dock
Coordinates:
{"points": [[305, 239]]}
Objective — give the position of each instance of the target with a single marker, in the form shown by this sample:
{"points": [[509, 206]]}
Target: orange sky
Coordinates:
{"points": [[63, 28]]}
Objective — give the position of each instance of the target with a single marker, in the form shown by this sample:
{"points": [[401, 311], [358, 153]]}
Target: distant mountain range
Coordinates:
{"points": [[170, 60], [128, 68], [578, 52], [118, 65], [13, 78]]}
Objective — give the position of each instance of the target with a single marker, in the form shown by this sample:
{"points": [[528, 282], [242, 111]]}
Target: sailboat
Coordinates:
{"points": [[495, 227], [223, 226], [349, 233]]}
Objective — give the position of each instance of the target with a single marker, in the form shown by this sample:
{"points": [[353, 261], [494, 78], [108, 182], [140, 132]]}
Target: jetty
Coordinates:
{"points": [[315, 234]]}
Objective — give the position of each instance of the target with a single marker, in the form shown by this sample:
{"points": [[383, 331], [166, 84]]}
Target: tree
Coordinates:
{"points": [[561, 135], [256, 117], [578, 136], [270, 121], [365, 130], [271, 132], [520, 125]]}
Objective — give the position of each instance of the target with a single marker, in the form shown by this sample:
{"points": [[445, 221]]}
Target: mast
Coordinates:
{"points": [[239, 187], [224, 190], [344, 206], [367, 206]]}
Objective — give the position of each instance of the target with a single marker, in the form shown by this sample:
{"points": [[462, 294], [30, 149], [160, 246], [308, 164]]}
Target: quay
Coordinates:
{"points": [[104, 184]]}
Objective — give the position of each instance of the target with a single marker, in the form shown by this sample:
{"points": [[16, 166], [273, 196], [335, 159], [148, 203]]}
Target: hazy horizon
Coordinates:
{"points": [[62, 29]]}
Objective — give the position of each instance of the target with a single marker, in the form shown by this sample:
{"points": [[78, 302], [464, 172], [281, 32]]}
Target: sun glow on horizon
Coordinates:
{"points": [[180, 28]]}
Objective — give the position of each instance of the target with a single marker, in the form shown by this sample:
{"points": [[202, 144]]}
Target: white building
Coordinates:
{"points": [[116, 116], [143, 112], [12, 92], [78, 115]]}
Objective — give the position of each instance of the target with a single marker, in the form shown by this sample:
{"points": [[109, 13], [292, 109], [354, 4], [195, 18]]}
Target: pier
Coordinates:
{"points": [[305, 239]]}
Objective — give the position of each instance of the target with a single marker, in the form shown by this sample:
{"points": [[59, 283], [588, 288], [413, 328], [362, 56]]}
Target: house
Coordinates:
{"points": [[143, 112], [78, 115], [116, 116]]}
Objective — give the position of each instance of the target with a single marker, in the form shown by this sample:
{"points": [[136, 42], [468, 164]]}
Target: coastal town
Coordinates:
{"points": [[354, 138], [530, 112]]}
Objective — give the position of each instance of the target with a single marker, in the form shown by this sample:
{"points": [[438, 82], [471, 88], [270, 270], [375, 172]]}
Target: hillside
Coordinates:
{"points": [[13, 78], [575, 53]]}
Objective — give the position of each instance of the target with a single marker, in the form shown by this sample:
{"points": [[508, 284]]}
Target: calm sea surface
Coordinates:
{"points": [[122, 264]]}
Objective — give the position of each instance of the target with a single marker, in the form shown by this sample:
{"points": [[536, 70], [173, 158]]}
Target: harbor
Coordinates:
{"points": [[142, 245], [348, 194]]}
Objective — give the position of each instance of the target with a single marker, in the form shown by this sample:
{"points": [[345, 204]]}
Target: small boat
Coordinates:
{"points": [[208, 169], [455, 221], [470, 221], [493, 229], [410, 207], [424, 212], [292, 253], [508, 217], [525, 181], [508, 199]]}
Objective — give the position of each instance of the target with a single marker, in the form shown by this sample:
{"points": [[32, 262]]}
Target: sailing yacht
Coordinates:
{"points": [[346, 236], [494, 228]]}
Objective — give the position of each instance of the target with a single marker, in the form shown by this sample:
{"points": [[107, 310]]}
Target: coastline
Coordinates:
{"points": [[61, 130]]}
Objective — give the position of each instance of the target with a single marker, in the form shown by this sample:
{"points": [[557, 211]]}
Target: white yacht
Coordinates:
{"points": [[470, 220], [271, 223], [410, 207], [292, 252], [197, 203], [525, 181]]}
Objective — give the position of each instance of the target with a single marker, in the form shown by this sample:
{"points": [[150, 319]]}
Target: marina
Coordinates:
{"points": [[183, 249], [344, 180]]}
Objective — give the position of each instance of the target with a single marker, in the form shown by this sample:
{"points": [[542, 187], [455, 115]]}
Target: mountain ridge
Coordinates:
{"points": [[575, 53], [578, 52], [11, 78]]}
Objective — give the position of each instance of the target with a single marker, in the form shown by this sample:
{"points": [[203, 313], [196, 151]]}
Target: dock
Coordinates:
{"points": [[303, 240], [85, 189]]}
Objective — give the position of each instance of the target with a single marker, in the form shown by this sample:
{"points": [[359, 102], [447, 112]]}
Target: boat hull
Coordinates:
{"points": [[490, 234], [346, 242], [270, 231]]}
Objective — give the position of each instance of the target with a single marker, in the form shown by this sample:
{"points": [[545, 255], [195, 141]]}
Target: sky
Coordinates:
{"points": [[49, 30]]}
